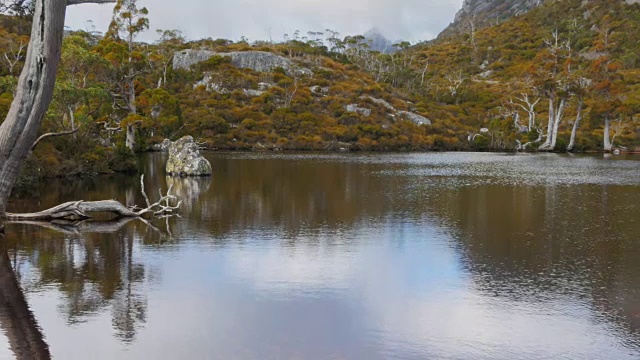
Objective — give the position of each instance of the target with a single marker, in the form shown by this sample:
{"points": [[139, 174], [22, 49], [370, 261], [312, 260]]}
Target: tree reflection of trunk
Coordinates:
{"points": [[129, 311], [16, 319]]}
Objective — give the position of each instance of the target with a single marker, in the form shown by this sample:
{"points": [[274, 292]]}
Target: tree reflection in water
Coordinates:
{"points": [[91, 263], [16, 319]]}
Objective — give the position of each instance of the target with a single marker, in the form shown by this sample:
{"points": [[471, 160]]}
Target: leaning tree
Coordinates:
{"points": [[35, 88]]}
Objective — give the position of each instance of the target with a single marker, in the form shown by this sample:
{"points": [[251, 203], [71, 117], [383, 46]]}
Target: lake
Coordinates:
{"points": [[341, 256]]}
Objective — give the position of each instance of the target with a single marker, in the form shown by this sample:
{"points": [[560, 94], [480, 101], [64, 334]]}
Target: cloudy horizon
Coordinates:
{"points": [[410, 20]]}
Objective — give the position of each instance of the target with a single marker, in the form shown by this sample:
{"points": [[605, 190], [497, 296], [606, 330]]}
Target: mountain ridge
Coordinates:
{"points": [[480, 13]]}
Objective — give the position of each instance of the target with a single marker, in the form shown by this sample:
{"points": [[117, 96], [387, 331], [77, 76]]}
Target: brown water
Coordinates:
{"points": [[414, 256]]}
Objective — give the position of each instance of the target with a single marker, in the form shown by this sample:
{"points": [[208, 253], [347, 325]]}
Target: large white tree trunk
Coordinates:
{"points": [[131, 132], [131, 137], [33, 95], [576, 125], [34, 91], [547, 144], [608, 146], [556, 123]]}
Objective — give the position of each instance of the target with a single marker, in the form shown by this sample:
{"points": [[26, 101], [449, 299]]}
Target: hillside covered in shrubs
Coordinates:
{"points": [[565, 70]]}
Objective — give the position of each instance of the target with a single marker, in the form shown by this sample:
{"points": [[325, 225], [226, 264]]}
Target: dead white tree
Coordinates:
{"points": [[14, 55], [556, 90], [291, 90], [580, 90], [424, 72], [510, 110], [34, 91], [529, 106], [470, 30], [455, 79], [576, 124], [618, 128]]}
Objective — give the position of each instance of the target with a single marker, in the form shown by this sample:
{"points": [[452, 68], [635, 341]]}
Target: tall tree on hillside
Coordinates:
{"points": [[170, 41], [77, 88], [608, 83], [129, 21], [580, 88], [552, 82], [608, 88]]}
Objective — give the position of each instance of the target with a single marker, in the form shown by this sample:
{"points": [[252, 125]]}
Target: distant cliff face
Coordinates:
{"points": [[483, 12]]}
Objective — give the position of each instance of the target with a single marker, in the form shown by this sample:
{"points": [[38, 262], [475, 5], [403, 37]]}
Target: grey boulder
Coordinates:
{"points": [[185, 159]]}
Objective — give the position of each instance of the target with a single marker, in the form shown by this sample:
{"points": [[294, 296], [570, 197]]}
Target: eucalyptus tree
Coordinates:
{"points": [[580, 89], [34, 90], [128, 22], [170, 41], [552, 83], [78, 88]]}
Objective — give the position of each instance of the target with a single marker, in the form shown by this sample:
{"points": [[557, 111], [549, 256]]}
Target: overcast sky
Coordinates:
{"points": [[412, 20]]}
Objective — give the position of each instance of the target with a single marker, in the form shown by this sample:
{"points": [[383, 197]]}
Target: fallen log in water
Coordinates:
{"points": [[80, 210]]}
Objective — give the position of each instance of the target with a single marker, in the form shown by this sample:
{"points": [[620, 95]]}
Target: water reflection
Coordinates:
{"points": [[16, 319], [93, 267], [367, 256]]}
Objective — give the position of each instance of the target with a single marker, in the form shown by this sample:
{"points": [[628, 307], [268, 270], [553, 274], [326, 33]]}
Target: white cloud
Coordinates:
{"points": [[413, 20]]}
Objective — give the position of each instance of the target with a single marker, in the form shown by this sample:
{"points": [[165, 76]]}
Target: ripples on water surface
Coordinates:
{"points": [[409, 256]]}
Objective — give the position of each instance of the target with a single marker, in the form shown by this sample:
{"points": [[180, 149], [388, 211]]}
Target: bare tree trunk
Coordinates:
{"points": [[131, 137], [608, 146], [33, 95], [556, 124], [131, 132], [576, 124], [547, 143], [72, 119]]}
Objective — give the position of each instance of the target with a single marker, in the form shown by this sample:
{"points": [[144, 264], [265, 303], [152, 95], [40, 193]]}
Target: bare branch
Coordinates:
{"points": [[146, 198], [48, 135], [76, 2]]}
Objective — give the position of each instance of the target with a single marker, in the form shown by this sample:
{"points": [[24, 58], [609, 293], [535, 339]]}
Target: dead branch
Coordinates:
{"points": [[80, 210], [57, 134]]}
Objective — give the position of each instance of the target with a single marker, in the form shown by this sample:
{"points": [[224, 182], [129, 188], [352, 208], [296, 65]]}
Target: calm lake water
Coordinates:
{"points": [[285, 256]]}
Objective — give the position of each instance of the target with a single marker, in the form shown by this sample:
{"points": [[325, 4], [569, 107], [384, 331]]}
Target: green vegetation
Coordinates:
{"points": [[521, 84]]}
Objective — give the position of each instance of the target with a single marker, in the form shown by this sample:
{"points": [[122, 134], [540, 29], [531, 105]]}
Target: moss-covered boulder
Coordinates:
{"points": [[185, 159]]}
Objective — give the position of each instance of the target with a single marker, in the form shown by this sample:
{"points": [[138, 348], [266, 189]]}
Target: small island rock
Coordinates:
{"points": [[185, 159]]}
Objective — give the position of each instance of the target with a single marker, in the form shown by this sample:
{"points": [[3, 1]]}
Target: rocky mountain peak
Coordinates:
{"points": [[378, 42], [484, 12]]}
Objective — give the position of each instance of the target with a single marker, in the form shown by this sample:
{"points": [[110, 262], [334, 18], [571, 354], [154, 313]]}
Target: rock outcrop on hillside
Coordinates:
{"points": [[392, 112], [415, 118], [483, 12], [260, 61]]}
